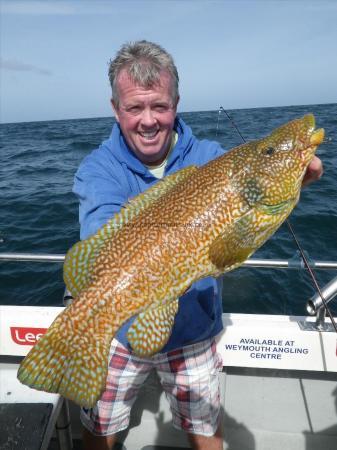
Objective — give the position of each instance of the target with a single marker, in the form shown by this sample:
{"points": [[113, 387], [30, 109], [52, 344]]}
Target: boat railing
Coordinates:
{"points": [[314, 305], [293, 263]]}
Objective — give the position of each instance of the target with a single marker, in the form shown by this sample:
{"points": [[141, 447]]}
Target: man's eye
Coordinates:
{"points": [[161, 108], [134, 109]]}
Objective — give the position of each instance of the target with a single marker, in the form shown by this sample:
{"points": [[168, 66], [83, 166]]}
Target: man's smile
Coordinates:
{"points": [[149, 135]]}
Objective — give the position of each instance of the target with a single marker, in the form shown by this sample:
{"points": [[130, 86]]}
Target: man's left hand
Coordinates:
{"points": [[314, 171]]}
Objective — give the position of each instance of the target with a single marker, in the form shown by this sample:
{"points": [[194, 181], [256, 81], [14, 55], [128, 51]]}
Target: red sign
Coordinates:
{"points": [[26, 336]]}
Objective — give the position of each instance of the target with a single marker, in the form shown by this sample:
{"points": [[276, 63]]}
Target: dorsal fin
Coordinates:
{"points": [[80, 258]]}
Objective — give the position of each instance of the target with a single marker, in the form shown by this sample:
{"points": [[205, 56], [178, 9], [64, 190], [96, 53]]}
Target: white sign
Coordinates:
{"points": [[275, 342]]}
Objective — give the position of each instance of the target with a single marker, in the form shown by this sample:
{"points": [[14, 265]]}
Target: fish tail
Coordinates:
{"points": [[72, 357]]}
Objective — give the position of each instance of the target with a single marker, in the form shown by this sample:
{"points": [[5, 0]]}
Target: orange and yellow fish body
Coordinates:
{"points": [[195, 223]]}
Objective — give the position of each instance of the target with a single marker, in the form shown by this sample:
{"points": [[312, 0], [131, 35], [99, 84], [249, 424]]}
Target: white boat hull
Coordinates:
{"points": [[268, 403]]}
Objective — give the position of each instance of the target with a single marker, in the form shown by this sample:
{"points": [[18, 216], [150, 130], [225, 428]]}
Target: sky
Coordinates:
{"points": [[239, 54]]}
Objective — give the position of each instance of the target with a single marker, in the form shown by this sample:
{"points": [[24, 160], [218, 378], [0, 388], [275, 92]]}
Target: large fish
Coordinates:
{"points": [[195, 223]]}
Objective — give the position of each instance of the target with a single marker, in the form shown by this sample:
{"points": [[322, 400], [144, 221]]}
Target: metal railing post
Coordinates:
{"points": [[63, 428]]}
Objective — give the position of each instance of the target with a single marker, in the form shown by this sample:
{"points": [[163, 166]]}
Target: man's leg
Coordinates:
{"points": [[92, 442], [111, 414], [190, 378], [199, 442]]}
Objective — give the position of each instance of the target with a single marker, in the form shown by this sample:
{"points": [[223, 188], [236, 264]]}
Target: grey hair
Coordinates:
{"points": [[144, 61]]}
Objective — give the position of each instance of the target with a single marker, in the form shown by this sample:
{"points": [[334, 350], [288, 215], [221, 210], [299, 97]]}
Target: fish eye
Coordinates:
{"points": [[269, 151]]}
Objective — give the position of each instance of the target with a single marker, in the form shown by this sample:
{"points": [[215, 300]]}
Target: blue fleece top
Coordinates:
{"points": [[108, 177]]}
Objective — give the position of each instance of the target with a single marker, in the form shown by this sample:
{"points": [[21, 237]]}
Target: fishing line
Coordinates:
{"points": [[232, 122], [313, 277], [305, 261]]}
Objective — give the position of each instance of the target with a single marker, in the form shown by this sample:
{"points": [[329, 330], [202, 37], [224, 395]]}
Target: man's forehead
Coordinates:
{"points": [[124, 78]]}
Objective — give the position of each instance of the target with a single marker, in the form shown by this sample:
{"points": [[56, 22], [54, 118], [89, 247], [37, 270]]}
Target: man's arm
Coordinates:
{"points": [[101, 190]]}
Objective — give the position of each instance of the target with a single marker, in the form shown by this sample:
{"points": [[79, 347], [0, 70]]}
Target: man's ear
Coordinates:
{"points": [[177, 101], [115, 109]]}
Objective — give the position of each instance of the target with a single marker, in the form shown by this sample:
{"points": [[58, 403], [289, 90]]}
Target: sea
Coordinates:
{"points": [[39, 212]]}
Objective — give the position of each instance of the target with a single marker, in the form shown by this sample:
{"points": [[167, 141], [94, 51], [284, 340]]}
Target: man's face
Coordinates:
{"points": [[146, 117]]}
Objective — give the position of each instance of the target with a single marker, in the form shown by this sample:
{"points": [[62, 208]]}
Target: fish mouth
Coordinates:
{"points": [[309, 139], [316, 136]]}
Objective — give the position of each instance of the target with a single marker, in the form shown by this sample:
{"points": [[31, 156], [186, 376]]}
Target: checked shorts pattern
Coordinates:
{"points": [[189, 377]]}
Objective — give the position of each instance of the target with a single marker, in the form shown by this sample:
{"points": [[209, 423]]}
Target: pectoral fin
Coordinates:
{"points": [[234, 245], [245, 235], [152, 329]]}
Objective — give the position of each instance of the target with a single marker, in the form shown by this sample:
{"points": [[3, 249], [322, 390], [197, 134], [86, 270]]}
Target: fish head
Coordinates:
{"points": [[275, 165]]}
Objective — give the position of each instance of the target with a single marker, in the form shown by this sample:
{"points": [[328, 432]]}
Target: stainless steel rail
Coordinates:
{"points": [[288, 264], [32, 257], [253, 262]]}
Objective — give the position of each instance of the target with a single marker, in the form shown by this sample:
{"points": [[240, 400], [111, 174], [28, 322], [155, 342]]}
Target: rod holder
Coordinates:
{"points": [[315, 304]]}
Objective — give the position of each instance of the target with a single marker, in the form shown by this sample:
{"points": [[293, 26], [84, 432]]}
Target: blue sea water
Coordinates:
{"points": [[39, 213]]}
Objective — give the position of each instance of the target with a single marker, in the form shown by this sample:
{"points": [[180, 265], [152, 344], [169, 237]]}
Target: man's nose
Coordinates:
{"points": [[148, 117]]}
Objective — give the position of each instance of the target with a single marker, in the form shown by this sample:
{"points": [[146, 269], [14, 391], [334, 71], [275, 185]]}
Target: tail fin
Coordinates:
{"points": [[72, 357]]}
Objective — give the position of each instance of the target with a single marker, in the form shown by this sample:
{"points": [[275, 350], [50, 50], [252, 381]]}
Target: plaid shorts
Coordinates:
{"points": [[189, 377]]}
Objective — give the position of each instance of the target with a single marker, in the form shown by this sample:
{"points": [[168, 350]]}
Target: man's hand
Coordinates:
{"points": [[314, 171]]}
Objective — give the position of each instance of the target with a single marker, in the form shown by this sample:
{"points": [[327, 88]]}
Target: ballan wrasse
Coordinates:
{"points": [[196, 223]]}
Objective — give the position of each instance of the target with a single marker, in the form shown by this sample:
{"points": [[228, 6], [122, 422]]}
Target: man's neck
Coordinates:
{"points": [[158, 169], [160, 161]]}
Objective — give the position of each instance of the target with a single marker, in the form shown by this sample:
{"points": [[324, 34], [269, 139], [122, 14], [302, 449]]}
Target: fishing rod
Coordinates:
{"points": [[304, 258]]}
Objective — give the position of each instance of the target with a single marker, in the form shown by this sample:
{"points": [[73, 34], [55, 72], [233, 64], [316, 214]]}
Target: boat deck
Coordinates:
{"points": [[268, 403]]}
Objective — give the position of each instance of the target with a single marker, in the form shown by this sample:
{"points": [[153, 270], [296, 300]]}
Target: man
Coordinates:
{"points": [[148, 142]]}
